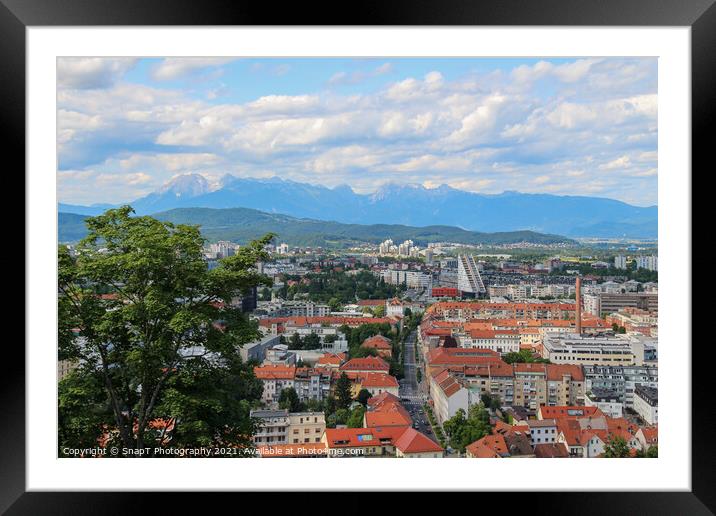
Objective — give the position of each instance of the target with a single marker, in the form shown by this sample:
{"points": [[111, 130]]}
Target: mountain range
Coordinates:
{"points": [[244, 224], [410, 205]]}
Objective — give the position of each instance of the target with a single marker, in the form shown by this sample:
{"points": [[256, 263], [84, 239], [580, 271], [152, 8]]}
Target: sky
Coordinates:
{"points": [[582, 126]]}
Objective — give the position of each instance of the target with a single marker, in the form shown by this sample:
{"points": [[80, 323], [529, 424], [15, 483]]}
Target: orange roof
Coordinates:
{"points": [[362, 437], [551, 451], [378, 380], [569, 411], [620, 427], [529, 367], [371, 302], [366, 364], [556, 372], [489, 447], [335, 359], [455, 356], [651, 434], [387, 418], [413, 441], [275, 372], [447, 383], [378, 342], [383, 398]]}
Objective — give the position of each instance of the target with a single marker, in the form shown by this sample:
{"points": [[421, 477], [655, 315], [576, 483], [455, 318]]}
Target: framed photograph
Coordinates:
{"points": [[431, 232]]}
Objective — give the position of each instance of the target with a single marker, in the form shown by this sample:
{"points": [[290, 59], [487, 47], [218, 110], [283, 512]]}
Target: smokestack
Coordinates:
{"points": [[578, 299]]}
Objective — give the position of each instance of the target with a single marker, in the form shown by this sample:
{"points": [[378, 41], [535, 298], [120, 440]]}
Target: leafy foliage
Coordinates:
{"points": [[343, 392], [616, 447], [462, 429], [165, 342]]}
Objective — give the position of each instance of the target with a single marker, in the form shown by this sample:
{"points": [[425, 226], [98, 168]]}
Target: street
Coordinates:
{"points": [[410, 394]]}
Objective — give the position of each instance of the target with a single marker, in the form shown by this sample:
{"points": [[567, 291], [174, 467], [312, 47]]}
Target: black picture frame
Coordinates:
{"points": [[17, 15]]}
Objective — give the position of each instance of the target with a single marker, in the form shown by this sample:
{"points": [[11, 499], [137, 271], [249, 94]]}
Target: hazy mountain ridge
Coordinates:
{"points": [[411, 205], [244, 224]]}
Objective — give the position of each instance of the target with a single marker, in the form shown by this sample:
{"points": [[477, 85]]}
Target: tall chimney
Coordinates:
{"points": [[578, 299]]}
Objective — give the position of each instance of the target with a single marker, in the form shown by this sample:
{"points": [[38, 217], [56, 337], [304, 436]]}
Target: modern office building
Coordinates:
{"points": [[469, 281], [561, 348]]}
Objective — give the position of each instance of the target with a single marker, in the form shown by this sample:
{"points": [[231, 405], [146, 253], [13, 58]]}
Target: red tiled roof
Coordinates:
{"points": [[378, 342], [366, 364], [331, 359], [651, 434], [556, 372], [378, 380], [412, 441], [387, 418], [489, 447], [383, 398], [275, 372], [551, 451], [362, 437], [567, 411]]}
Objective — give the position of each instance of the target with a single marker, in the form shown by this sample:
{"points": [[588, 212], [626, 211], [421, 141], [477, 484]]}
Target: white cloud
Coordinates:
{"points": [[488, 132], [173, 68], [91, 72]]}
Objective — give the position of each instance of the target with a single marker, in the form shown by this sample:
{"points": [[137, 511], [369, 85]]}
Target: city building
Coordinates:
{"points": [[273, 427], [382, 345], [275, 378], [605, 303], [448, 395], [500, 341], [469, 281], [305, 427], [256, 350], [646, 403], [561, 348], [622, 380], [366, 365], [610, 402], [620, 262], [649, 263]]}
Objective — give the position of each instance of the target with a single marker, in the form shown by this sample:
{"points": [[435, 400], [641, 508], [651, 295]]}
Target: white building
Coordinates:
{"points": [[609, 402], [646, 403], [448, 396], [469, 280], [647, 262], [620, 262], [506, 341]]}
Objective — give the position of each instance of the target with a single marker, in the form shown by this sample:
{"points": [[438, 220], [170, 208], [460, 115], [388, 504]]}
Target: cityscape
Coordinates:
{"points": [[427, 287]]}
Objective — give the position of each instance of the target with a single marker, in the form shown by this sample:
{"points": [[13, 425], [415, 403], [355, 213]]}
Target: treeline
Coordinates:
{"points": [[338, 288]]}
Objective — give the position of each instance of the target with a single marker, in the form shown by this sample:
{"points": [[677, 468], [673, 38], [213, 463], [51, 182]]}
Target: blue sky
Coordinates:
{"points": [[582, 126]]}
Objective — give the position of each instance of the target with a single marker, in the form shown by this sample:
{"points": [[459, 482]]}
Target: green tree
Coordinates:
{"points": [[288, 399], [343, 391], [339, 417], [168, 324], [363, 396], [312, 341], [651, 452], [616, 447], [295, 342], [356, 418]]}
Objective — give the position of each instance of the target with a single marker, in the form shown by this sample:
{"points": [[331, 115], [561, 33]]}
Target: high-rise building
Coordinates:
{"points": [[620, 262], [469, 280], [649, 263]]}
